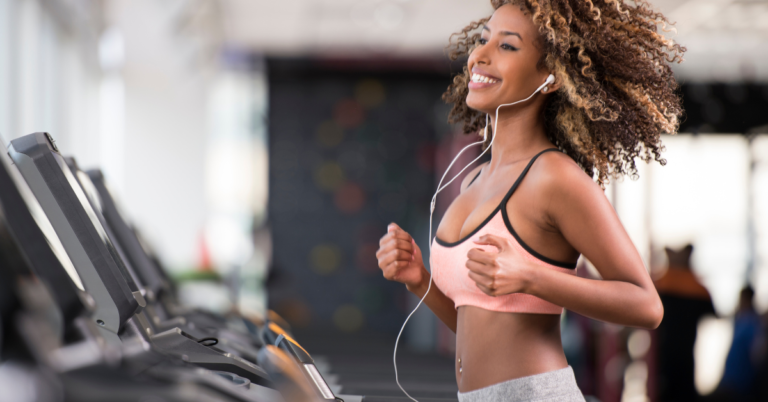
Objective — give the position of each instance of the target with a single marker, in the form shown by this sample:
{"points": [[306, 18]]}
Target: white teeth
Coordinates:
{"points": [[483, 79]]}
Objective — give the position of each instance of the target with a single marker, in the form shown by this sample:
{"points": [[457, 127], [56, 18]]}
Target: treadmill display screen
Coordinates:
{"points": [[84, 201], [42, 220], [92, 215], [93, 195]]}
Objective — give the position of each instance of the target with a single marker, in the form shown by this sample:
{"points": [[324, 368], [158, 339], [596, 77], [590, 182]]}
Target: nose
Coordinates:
{"points": [[479, 55]]}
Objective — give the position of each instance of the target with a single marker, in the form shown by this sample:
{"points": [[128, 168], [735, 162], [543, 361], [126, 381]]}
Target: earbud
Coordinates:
{"points": [[550, 79]]}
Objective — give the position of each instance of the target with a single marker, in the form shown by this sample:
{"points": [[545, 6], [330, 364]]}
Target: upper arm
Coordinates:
{"points": [[470, 176], [579, 209]]}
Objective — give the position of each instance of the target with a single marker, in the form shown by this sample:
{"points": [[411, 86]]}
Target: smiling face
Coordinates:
{"points": [[504, 64]]}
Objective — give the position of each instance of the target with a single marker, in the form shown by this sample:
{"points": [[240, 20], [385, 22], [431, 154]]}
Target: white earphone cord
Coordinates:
{"points": [[441, 187]]}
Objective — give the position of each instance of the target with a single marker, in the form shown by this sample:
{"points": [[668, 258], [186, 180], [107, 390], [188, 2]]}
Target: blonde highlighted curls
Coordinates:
{"points": [[618, 93]]}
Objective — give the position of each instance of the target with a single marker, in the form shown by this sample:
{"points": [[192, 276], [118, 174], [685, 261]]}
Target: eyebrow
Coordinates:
{"points": [[505, 33]]}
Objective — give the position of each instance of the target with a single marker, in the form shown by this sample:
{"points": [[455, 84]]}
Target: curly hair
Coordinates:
{"points": [[617, 91]]}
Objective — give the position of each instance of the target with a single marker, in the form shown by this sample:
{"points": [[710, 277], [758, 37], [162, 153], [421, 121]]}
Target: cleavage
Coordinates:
{"points": [[478, 216]]}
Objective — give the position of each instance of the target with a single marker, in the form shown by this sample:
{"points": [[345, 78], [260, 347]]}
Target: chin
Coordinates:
{"points": [[481, 107], [478, 104]]}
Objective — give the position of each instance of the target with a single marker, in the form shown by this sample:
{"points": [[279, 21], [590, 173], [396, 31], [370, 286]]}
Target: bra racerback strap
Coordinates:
{"points": [[522, 175]]}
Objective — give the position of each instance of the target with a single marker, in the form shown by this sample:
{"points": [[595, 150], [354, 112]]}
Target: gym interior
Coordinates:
{"points": [[192, 194]]}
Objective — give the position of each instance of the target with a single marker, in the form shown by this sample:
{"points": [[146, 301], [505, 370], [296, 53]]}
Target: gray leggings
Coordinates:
{"points": [[553, 386]]}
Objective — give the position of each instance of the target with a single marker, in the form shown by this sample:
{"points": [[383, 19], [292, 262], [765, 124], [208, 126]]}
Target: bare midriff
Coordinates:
{"points": [[492, 347]]}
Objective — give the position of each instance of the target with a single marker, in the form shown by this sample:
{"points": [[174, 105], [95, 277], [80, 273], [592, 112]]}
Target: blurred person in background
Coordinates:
{"points": [[744, 357], [503, 292], [761, 354], [685, 301]]}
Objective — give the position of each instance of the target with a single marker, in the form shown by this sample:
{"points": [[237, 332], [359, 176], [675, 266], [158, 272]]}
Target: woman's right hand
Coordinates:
{"points": [[400, 258]]}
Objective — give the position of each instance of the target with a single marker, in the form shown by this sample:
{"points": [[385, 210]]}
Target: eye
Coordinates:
{"points": [[482, 41], [507, 46]]}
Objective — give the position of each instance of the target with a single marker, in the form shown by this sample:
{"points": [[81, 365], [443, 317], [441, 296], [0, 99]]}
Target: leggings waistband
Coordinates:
{"points": [[558, 385]]}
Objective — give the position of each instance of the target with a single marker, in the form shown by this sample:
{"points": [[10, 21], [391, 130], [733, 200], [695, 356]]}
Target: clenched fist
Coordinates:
{"points": [[400, 258]]}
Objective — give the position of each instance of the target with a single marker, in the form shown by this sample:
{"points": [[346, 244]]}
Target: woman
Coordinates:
{"points": [[506, 249]]}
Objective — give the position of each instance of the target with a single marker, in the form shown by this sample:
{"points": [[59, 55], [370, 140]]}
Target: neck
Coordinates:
{"points": [[518, 135]]}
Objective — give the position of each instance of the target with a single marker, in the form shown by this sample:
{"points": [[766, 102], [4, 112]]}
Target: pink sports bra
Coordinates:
{"points": [[450, 272]]}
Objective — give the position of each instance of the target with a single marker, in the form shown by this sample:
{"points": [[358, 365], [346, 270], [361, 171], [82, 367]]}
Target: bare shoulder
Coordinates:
{"points": [[558, 175], [470, 176]]}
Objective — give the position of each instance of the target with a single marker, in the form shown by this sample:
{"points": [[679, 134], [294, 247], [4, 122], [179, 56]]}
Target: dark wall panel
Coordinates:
{"points": [[351, 149], [724, 108]]}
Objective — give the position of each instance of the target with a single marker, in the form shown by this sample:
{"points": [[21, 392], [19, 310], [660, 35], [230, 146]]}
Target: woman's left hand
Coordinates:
{"points": [[494, 273]]}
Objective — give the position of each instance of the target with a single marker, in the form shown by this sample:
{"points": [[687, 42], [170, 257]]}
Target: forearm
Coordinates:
{"points": [[614, 301], [437, 301]]}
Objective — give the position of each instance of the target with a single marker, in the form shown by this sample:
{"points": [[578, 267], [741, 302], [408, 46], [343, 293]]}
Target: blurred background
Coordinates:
{"points": [[264, 146]]}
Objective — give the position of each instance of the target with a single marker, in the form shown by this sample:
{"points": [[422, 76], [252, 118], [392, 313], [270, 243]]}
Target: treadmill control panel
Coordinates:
{"points": [[53, 143]]}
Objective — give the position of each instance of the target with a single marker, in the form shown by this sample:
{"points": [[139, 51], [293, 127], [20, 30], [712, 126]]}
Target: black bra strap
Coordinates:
{"points": [[522, 175], [475, 178], [506, 219], [502, 206]]}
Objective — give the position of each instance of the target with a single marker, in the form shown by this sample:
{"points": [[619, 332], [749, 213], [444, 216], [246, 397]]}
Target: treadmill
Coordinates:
{"points": [[120, 301], [63, 351]]}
